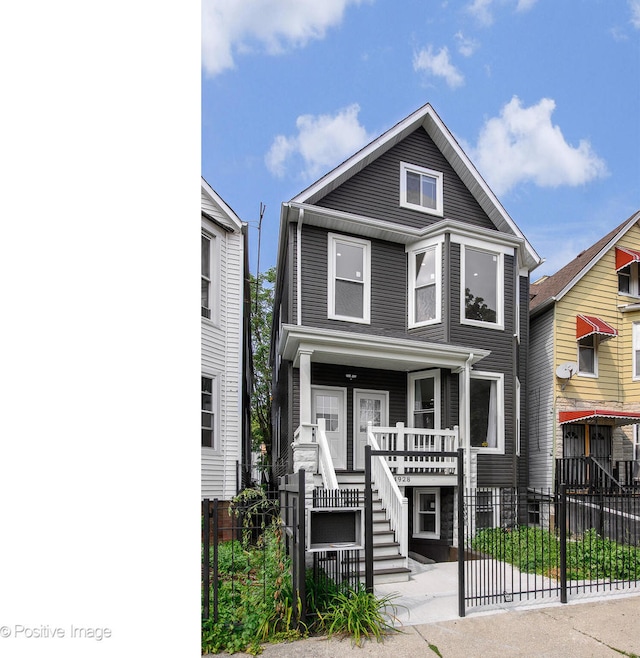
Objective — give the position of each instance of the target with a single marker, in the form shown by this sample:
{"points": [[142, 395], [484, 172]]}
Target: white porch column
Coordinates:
{"points": [[304, 365]]}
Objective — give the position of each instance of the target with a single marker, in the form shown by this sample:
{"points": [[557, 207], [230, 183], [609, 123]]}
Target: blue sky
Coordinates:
{"points": [[543, 96]]}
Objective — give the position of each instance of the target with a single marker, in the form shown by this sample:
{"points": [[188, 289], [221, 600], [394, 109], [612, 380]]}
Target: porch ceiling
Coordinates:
{"points": [[370, 351]]}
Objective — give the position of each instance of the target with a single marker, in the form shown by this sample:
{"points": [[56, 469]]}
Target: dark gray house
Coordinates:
{"points": [[401, 321]]}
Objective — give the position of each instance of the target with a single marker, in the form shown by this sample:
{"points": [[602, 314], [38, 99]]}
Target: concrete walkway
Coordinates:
{"points": [[427, 618]]}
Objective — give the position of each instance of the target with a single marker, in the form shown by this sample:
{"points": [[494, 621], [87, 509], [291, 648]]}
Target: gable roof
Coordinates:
{"points": [[553, 288], [222, 214], [427, 118]]}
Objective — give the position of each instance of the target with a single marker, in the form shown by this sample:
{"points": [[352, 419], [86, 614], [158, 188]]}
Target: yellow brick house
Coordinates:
{"points": [[584, 378]]}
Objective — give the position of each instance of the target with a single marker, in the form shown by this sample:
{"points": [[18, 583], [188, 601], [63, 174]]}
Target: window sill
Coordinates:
{"points": [[438, 212], [424, 535], [426, 323], [342, 318], [487, 451], [487, 325]]}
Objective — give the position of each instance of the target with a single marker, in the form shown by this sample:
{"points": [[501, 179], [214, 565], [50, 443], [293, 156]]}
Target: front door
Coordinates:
{"points": [[330, 404], [367, 406]]}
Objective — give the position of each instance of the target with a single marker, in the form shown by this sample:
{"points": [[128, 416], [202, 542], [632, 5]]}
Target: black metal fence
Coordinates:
{"points": [[237, 543], [527, 545]]}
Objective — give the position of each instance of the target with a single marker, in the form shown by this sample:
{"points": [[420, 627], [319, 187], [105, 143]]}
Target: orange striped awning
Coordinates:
{"points": [[593, 415], [626, 256], [586, 325]]}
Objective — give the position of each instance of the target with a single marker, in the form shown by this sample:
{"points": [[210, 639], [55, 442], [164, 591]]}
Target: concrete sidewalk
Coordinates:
{"points": [[609, 627], [428, 621]]}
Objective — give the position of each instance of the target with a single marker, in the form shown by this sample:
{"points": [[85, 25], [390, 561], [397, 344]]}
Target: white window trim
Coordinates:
{"points": [[594, 374], [333, 239], [495, 250], [499, 379], [634, 281], [411, 397], [416, 512], [423, 171], [412, 253], [215, 395], [636, 349], [214, 276]]}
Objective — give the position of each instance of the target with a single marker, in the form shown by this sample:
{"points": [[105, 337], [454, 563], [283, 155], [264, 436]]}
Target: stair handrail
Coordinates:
{"points": [[606, 477], [325, 463], [396, 505]]}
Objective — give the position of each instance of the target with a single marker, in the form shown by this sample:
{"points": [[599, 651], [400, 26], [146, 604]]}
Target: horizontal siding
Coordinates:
{"points": [[211, 208], [595, 294], [388, 276], [221, 356], [541, 419], [630, 388], [375, 191]]}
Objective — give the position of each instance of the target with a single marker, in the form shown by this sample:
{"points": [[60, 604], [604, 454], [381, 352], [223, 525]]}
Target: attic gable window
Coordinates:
{"points": [[628, 269], [421, 189], [349, 279]]}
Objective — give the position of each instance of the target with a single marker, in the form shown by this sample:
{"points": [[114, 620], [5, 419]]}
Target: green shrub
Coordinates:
{"points": [[534, 550]]}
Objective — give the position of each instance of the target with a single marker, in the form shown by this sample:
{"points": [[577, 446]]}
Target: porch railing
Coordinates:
{"points": [[416, 439], [393, 501], [587, 472], [325, 463], [316, 434]]}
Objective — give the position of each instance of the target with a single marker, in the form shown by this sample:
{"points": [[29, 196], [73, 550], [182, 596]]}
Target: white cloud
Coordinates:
{"points": [[634, 6], [525, 5], [272, 26], [466, 46], [481, 9], [322, 142], [522, 145], [438, 65]]}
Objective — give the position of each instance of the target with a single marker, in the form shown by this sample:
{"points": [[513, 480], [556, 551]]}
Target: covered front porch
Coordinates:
{"points": [[596, 454]]}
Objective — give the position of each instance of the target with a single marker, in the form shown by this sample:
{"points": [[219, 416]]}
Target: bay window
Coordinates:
{"points": [[425, 286]]}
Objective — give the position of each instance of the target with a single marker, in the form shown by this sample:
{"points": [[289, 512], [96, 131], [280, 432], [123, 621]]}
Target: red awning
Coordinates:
{"points": [[593, 415], [626, 256], [589, 324]]}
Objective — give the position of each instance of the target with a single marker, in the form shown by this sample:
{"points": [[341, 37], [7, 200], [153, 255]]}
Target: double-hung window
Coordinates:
{"points": [[424, 399], [588, 356], [207, 271], [208, 411], [426, 513], [421, 189], [425, 286], [349, 280], [486, 411]]}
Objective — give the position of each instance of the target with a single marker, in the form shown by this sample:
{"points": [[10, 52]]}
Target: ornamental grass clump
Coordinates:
{"points": [[358, 614]]}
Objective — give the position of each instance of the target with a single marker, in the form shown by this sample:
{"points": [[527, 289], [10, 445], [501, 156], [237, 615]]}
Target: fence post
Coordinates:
{"points": [[215, 559], [461, 527], [205, 558], [301, 548], [368, 522], [563, 542]]}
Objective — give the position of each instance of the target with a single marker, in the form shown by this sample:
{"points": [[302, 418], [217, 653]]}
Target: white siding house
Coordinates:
{"points": [[223, 338]]}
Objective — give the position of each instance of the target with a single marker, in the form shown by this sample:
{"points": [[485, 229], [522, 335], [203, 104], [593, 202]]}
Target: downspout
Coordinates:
{"points": [[299, 267], [467, 420]]}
